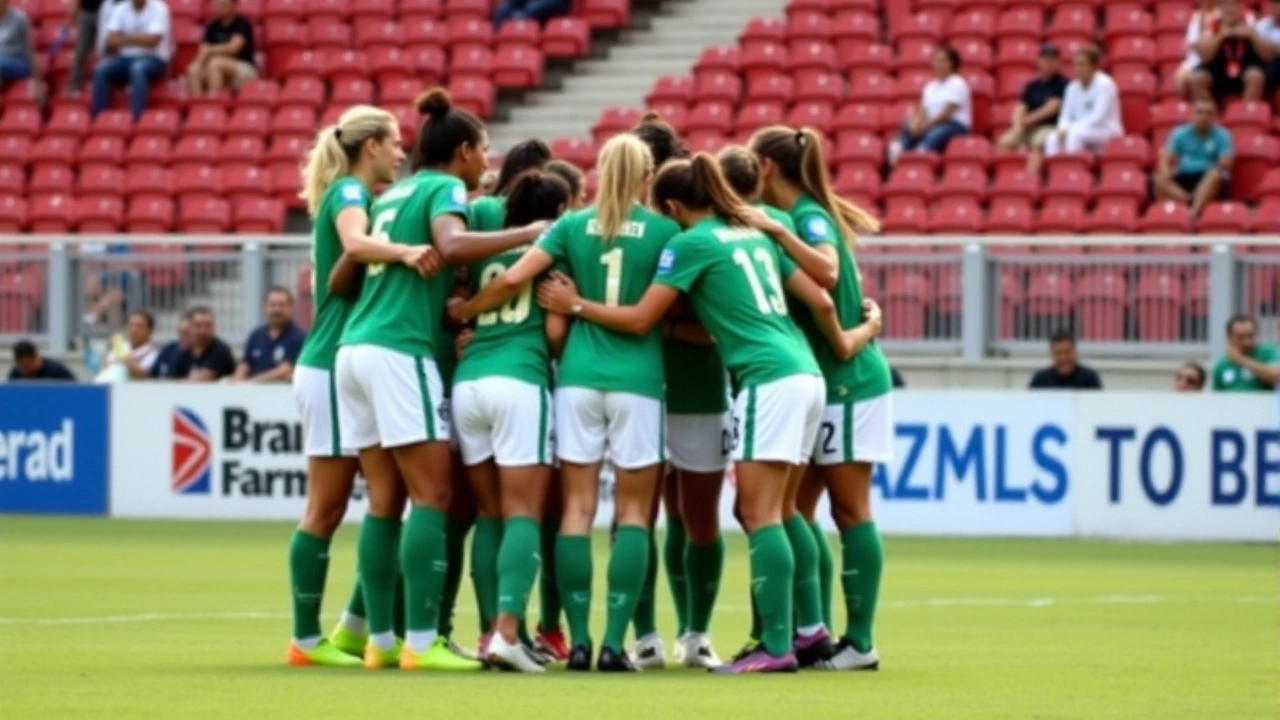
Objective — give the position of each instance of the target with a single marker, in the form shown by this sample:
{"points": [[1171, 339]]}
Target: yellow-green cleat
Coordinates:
{"points": [[323, 655], [375, 658], [437, 658], [348, 642]]}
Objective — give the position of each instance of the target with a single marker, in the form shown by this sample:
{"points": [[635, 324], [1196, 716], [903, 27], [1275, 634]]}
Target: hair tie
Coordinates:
{"points": [[337, 133], [800, 138]]}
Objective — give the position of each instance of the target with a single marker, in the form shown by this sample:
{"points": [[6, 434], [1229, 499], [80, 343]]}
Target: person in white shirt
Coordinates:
{"points": [[138, 47], [945, 110], [1090, 110], [1269, 30], [136, 356]]}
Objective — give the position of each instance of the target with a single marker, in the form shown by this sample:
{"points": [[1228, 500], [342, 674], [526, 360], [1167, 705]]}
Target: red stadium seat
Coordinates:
{"points": [[252, 122], [243, 182], [149, 215], [51, 180], [1131, 54], [161, 123], [60, 150], [421, 9], [16, 149], [956, 216], [671, 88], [476, 9], [1128, 21], [974, 25], [373, 32], [566, 37], [116, 123], [247, 150], [606, 14], [772, 88], [1122, 182], [921, 160], [1129, 151], [856, 148], [865, 58], [906, 218], [13, 179], [810, 59], [1009, 216], [305, 90], [758, 115], [872, 88], [972, 150], [820, 88], [1101, 299], [1158, 301], [579, 151], [13, 217], [860, 183], [1254, 158], [68, 122], [975, 55], [523, 33], [795, 7], [1082, 162], [1269, 187], [294, 120], [717, 59], [1049, 298], [100, 181], [474, 94], [466, 31], [1060, 218], [259, 215], [197, 182], [1137, 92], [710, 117], [764, 61], [855, 120], [50, 213], [1016, 55], [910, 183], [916, 54], [763, 31], [148, 180], [149, 150], [328, 35], [1113, 218], [207, 120], [98, 214], [675, 115], [472, 61], [1247, 114], [808, 27], [613, 120], [1166, 116], [817, 115], [379, 9], [717, 87], [1072, 22], [905, 296], [1224, 218], [929, 26], [356, 91], [1020, 24], [207, 216], [290, 9], [108, 150], [1166, 218]]}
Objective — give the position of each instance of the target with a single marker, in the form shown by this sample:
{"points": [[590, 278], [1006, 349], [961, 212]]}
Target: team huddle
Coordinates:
{"points": [[478, 359]]}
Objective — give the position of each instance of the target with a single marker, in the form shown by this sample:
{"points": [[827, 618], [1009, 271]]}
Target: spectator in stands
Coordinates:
{"points": [[139, 356], [208, 358], [168, 357], [1066, 372], [945, 109], [1233, 60], [226, 55], [1248, 365], [1189, 378], [1036, 114], [272, 350], [138, 46], [29, 365], [1268, 28], [17, 50], [539, 10], [1204, 21], [1090, 114], [1195, 164]]}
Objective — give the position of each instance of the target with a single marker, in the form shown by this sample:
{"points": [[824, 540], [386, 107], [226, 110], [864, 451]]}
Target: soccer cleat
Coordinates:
{"points": [[847, 657], [552, 643], [677, 649], [695, 652], [649, 653], [760, 661], [580, 658], [814, 650], [538, 656], [375, 658], [750, 647], [482, 649], [612, 661], [437, 658], [347, 641], [323, 655], [512, 656], [462, 652]]}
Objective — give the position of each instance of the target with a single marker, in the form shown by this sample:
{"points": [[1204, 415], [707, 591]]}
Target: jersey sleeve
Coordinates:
{"points": [[554, 242], [816, 229], [451, 200], [786, 266], [680, 264], [351, 194]]}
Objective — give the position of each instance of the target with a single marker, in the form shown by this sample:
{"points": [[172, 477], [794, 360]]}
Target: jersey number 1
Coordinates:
{"points": [[612, 262], [767, 301]]}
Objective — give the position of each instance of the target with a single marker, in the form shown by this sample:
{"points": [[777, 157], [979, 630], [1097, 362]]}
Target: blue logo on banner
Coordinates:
{"points": [[53, 449]]}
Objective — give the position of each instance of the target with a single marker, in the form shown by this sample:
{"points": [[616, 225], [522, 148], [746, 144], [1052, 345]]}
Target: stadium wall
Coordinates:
{"points": [[1113, 465]]}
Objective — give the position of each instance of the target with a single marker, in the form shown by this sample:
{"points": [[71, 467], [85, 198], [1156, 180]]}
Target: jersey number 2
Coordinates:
{"points": [[515, 311], [769, 300]]}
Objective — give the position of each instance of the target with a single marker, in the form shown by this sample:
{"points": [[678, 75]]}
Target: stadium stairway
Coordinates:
{"points": [[665, 43]]}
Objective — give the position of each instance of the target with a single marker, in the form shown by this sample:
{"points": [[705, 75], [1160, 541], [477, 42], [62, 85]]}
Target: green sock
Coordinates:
{"points": [[863, 564], [308, 567], [705, 565], [548, 588], [757, 627], [397, 611], [646, 602], [573, 575], [773, 581], [455, 545], [424, 563], [627, 572], [355, 606], [379, 540], [485, 544], [517, 564], [826, 572], [674, 547], [808, 600]]}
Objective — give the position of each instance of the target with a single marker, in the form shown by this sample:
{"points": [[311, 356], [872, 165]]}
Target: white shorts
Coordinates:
{"points": [[778, 421], [700, 443], [505, 419], [859, 431], [317, 396], [630, 425], [389, 398]]}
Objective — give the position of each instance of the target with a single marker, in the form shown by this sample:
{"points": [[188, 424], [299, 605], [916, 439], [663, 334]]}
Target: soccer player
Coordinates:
{"points": [[699, 432], [857, 427], [734, 276], [570, 173], [502, 411], [610, 389], [390, 391], [344, 165]]}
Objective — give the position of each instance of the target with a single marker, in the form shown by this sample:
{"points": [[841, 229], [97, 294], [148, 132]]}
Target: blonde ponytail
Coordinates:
{"points": [[625, 164], [337, 149]]}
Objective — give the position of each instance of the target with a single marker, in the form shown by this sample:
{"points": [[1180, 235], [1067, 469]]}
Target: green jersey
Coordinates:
{"points": [[865, 375], [510, 340], [1230, 377], [734, 278], [487, 214], [778, 215], [331, 311], [613, 271], [696, 380], [399, 309]]}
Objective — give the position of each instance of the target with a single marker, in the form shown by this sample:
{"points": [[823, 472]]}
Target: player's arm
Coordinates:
{"points": [[820, 261], [1266, 374], [560, 295], [556, 328], [846, 343], [461, 246], [347, 277], [352, 224], [506, 286]]}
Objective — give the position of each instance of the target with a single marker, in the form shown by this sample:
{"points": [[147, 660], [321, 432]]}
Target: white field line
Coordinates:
{"points": [[1031, 603]]}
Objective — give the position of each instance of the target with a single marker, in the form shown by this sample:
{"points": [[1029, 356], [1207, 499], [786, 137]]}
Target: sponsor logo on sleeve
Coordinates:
{"points": [[667, 262], [817, 228]]}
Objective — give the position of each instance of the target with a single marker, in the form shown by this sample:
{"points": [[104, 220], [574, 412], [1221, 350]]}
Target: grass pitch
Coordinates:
{"points": [[108, 619]]}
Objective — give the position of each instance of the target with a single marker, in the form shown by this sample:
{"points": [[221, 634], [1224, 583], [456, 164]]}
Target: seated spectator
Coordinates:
{"points": [[539, 10], [945, 110], [226, 55], [1248, 366], [1066, 373], [208, 358], [1090, 114], [168, 356], [1204, 21], [272, 350], [140, 354], [1233, 60], [29, 365], [1268, 28], [1189, 378], [1036, 114], [1195, 164], [138, 46], [17, 50]]}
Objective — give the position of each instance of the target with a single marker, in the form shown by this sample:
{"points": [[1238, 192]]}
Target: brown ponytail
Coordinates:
{"points": [[698, 184], [741, 168], [445, 128]]}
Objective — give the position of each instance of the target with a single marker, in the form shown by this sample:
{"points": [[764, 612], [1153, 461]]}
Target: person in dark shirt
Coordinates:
{"points": [[226, 55], [539, 10], [168, 357], [1233, 58], [28, 365], [1036, 114], [208, 359], [272, 350], [1066, 373]]}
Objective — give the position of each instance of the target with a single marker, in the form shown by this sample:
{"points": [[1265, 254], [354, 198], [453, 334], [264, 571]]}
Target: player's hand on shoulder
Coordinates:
{"points": [[760, 220], [558, 294]]}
